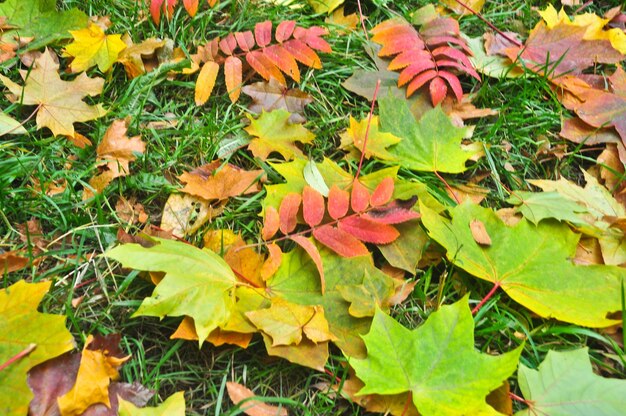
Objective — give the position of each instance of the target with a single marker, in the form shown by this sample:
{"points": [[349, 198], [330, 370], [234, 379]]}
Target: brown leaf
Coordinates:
{"points": [[117, 150], [185, 214], [134, 55], [268, 96], [496, 44], [11, 262], [214, 181], [479, 232], [130, 211], [238, 393]]}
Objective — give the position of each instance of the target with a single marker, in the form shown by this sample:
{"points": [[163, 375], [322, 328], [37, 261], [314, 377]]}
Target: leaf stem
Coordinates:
{"points": [[486, 298], [448, 187], [491, 25], [405, 409], [362, 19], [367, 129], [18, 356]]}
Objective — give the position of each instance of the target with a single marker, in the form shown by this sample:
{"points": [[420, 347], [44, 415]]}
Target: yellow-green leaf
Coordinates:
{"points": [[172, 406]]}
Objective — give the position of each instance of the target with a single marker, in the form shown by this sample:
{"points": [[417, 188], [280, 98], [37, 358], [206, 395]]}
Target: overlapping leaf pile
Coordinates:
{"points": [[337, 248]]}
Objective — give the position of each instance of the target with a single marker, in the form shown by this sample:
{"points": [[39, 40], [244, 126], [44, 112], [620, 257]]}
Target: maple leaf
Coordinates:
{"points": [[377, 141], [99, 363], [251, 407], [198, 283], [27, 338], [424, 361], [60, 103], [325, 6], [475, 5], [531, 264], [564, 384], [92, 47], [537, 206], [430, 144], [184, 214], [272, 132], [405, 251], [133, 56], [297, 282], [8, 125], [172, 406], [424, 57], [214, 181], [269, 96], [343, 23]]}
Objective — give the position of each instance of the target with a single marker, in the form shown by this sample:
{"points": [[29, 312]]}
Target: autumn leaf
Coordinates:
{"points": [[475, 5], [269, 96], [565, 384], [184, 214], [272, 132], [99, 364], [343, 23], [11, 261], [60, 103], [92, 47], [430, 144], [220, 181], [198, 283], [172, 406], [133, 56], [531, 264], [377, 141], [9, 125], [537, 206], [240, 394], [27, 338], [426, 362], [325, 6]]}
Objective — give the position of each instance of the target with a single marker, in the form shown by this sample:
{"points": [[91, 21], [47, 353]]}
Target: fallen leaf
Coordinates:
{"points": [[27, 338], [130, 211], [8, 125], [272, 132], [217, 181], [91, 47], [479, 233], [134, 55], [10, 262], [418, 361], [251, 407], [343, 23], [377, 141], [185, 214], [324, 6], [307, 353], [269, 96], [474, 5], [60, 103], [172, 406]]}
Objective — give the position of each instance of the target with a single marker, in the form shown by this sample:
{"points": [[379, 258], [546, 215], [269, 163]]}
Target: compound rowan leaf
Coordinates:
{"points": [[251, 407], [427, 362], [377, 141], [269, 96], [99, 364], [91, 47], [198, 283], [272, 132], [430, 144], [359, 197], [27, 338], [383, 192], [60, 103], [565, 384], [172, 406], [532, 264], [217, 181], [271, 223]]}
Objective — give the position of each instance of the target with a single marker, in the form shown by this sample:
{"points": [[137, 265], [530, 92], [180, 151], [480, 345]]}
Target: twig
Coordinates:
{"points": [[486, 298], [362, 19]]}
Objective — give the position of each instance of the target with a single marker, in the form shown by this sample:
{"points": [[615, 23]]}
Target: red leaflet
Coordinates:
{"points": [[360, 197], [394, 213], [263, 33], [338, 202], [288, 212], [383, 192], [283, 60], [285, 30], [245, 40], [312, 206], [167, 6], [312, 251], [228, 44], [339, 241], [421, 55], [191, 6], [271, 223], [232, 77], [273, 261], [368, 231], [264, 67]]}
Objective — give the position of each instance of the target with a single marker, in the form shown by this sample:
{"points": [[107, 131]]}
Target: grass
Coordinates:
{"points": [[77, 231]]}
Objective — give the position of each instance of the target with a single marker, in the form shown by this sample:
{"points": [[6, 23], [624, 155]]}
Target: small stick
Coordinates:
{"points": [[362, 19], [486, 298], [448, 187]]}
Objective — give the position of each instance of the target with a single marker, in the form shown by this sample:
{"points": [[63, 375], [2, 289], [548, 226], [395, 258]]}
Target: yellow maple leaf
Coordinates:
{"points": [[97, 369], [92, 47], [593, 23]]}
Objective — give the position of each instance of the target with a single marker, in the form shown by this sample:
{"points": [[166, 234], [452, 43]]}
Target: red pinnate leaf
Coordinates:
{"points": [[443, 40], [338, 202], [414, 69], [271, 224], [454, 83], [394, 213], [438, 90], [284, 30], [368, 231], [232, 77], [407, 58], [228, 44], [312, 251], [245, 40], [288, 212], [312, 206], [155, 10], [283, 60], [312, 37], [302, 53], [266, 68], [263, 33], [419, 81], [360, 196], [191, 6], [383, 192], [340, 242]]}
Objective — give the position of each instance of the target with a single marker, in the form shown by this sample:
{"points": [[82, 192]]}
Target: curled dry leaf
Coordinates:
{"points": [[185, 214], [239, 393], [134, 56]]}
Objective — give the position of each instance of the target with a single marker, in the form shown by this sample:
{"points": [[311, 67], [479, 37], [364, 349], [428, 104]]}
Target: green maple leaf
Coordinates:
{"points": [[198, 283], [40, 18], [532, 264], [430, 144], [23, 328], [297, 281], [537, 206], [565, 385], [272, 132], [436, 362]]}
